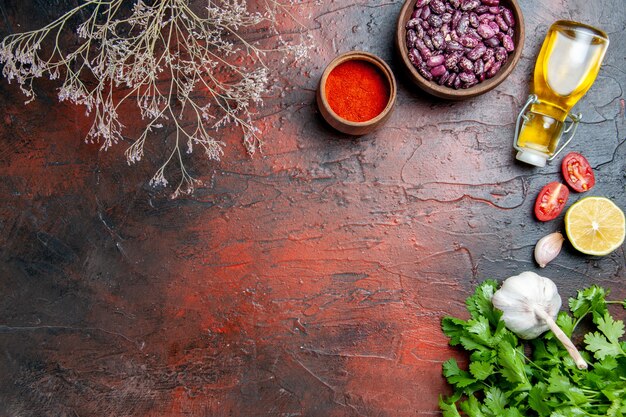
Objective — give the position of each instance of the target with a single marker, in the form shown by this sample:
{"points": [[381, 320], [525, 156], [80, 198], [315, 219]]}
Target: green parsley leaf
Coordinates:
{"points": [[536, 399], [591, 299], [495, 400], [451, 368], [455, 375], [512, 365], [480, 328], [471, 407], [615, 394], [479, 304], [448, 409], [453, 328], [512, 412], [481, 370], [558, 382], [612, 329], [470, 343], [607, 365], [545, 352], [485, 355], [566, 323], [570, 412], [614, 409], [600, 346]]}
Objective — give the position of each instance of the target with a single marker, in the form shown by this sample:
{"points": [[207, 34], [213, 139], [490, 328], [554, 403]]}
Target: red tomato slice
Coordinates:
{"points": [[551, 201], [578, 172]]}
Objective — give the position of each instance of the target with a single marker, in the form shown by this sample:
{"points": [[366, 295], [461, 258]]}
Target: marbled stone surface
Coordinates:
{"points": [[307, 281]]}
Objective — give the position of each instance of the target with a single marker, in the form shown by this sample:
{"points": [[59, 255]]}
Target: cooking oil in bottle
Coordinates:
{"points": [[567, 66]]}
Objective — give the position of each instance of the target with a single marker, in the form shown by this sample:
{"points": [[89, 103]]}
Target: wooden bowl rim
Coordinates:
{"points": [[447, 92], [376, 61]]}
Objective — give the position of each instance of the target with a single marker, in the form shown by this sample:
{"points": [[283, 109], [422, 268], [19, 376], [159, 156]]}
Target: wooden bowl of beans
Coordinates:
{"points": [[357, 92], [457, 49]]}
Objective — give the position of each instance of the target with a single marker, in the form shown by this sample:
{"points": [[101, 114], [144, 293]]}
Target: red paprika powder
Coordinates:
{"points": [[357, 90]]}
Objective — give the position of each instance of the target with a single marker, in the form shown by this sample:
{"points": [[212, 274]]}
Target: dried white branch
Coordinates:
{"points": [[169, 58]]}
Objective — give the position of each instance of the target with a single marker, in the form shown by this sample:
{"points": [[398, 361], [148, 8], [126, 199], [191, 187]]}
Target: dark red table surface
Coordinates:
{"points": [[307, 281]]}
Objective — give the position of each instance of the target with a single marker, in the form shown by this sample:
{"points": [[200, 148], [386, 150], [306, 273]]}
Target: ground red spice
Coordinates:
{"points": [[357, 91]]}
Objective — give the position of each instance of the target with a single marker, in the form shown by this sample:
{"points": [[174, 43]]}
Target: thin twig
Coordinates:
{"points": [[165, 42]]}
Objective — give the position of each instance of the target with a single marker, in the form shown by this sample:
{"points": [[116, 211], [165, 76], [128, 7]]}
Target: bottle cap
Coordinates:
{"points": [[532, 158]]}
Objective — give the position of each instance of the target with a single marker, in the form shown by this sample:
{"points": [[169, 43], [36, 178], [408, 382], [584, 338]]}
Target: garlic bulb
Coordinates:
{"points": [[548, 248], [529, 304]]}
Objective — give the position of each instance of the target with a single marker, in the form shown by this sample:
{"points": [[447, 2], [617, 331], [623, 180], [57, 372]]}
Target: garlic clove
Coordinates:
{"points": [[548, 248]]}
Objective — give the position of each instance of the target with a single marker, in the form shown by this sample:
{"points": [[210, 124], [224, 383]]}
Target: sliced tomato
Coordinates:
{"points": [[578, 172], [551, 201]]}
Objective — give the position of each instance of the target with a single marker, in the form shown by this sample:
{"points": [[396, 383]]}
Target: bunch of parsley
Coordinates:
{"points": [[508, 377]]}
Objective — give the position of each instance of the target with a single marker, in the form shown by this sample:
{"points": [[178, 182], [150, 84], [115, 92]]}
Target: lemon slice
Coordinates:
{"points": [[595, 226]]}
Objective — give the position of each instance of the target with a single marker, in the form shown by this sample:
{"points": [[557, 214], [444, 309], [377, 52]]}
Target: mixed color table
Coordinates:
{"points": [[306, 281]]}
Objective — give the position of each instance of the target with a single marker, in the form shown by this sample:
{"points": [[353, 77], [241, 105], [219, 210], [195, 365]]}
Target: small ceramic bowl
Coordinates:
{"points": [[450, 93], [347, 126]]}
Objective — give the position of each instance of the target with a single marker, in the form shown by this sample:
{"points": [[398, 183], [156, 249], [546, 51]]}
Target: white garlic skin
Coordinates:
{"points": [[548, 248], [519, 296]]}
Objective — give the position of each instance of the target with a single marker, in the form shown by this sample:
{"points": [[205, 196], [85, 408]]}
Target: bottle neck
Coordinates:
{"points": [[550, 110], [539, 132]]}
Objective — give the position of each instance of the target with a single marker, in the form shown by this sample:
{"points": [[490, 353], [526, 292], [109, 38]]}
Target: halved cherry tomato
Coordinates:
{"points": [[578, 172], [551, 201]]}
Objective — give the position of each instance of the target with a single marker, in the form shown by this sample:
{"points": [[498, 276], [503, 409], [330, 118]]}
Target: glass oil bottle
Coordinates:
{"points": [[567, 66]]}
